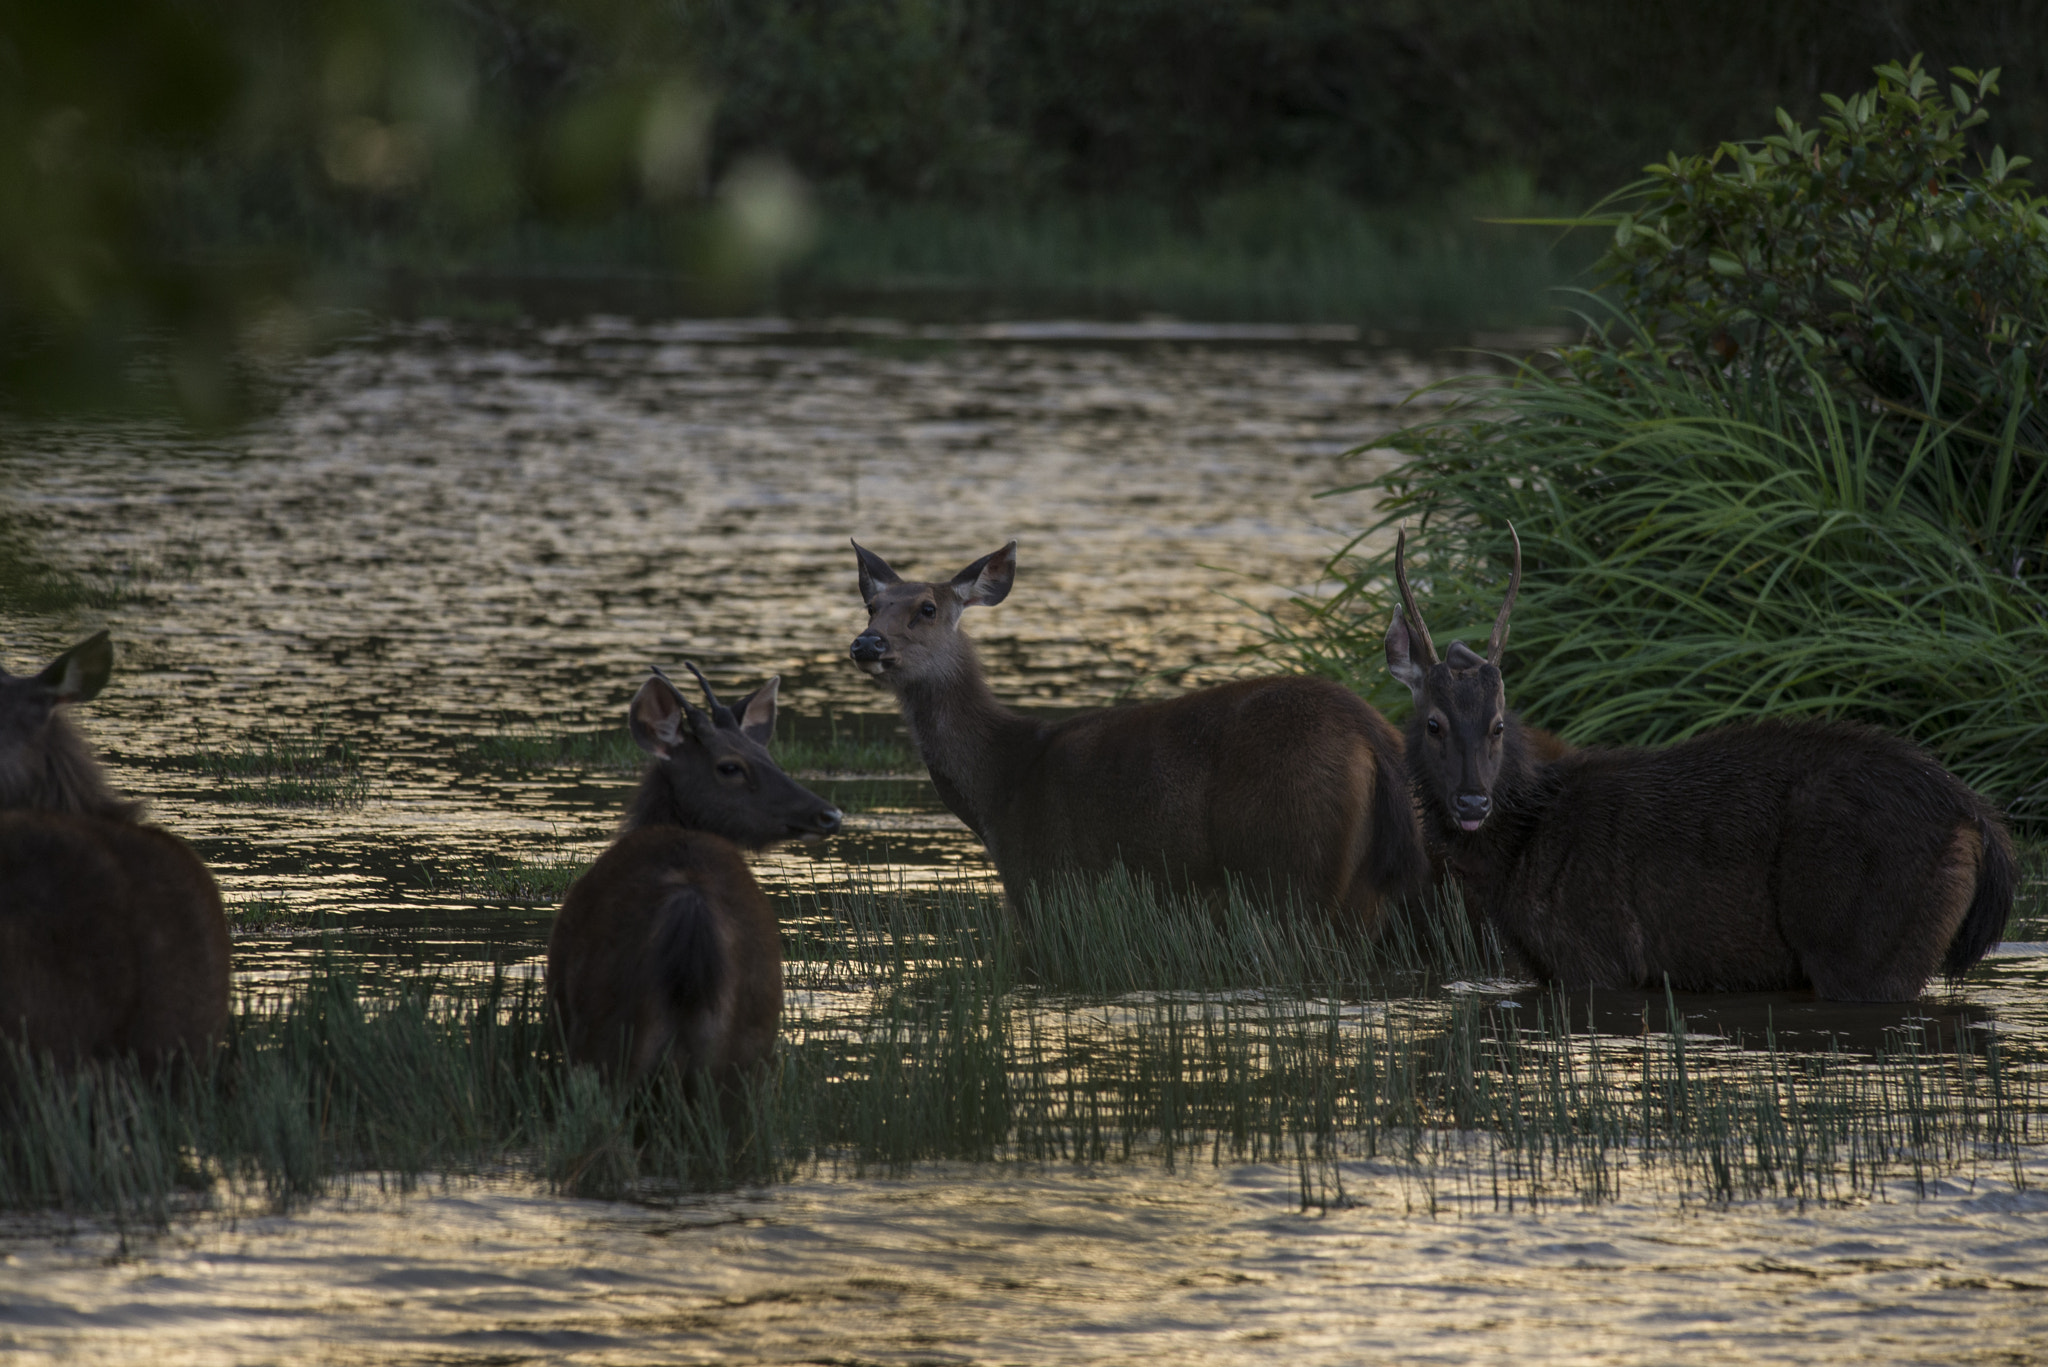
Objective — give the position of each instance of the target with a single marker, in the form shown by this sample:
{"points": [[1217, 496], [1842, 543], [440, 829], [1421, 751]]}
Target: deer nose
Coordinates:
{"points": [[1471, 809], [868, 647], [827, 821]]}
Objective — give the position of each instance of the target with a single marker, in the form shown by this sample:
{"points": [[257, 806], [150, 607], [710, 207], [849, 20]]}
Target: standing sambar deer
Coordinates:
{"points": [[1760, 856], [1287, 786], [666, 948], [112, 939]]}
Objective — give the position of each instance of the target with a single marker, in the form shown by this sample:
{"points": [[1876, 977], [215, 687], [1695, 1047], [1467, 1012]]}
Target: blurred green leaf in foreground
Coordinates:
{"points": [[140, 139]]}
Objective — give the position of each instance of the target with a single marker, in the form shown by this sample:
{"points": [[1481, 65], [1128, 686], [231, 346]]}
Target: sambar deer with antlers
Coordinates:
{"points": [[1761, 856], [667, 950], [112, 939], [1291, 787]]}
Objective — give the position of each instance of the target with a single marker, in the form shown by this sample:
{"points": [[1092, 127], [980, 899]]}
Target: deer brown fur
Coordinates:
{"points": [[112, 939], [666, 950], [1287, 786], [1760, 856]]}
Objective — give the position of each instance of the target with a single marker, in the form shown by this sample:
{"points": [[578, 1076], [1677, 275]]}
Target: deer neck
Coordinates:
{"points": [[974, 746], [60, 775]]}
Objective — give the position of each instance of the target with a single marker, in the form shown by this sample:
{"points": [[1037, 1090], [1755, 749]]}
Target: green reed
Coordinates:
{"points": [[924, 1025], [309, 772], [1698, 553]]}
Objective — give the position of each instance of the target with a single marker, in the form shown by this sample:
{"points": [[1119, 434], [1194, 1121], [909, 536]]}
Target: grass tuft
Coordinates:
{"points": [[1697, 554], [286, 773]]}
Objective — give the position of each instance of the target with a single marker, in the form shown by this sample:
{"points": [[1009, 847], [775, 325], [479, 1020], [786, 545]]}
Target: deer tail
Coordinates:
{"points": [[688, 955], [1984, 922]]}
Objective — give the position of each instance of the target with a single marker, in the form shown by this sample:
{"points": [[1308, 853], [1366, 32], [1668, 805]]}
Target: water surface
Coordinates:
{"points": [[446, 533]]}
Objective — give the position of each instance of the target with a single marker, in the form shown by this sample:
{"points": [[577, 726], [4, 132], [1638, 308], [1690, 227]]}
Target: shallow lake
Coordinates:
{"points": [[444, 538]]}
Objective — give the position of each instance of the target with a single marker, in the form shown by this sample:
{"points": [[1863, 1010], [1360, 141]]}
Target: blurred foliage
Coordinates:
{"points": [[170, 172], [209, 176]]}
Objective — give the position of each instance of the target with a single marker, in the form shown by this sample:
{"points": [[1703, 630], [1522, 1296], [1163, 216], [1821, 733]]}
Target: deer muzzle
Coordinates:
{"points": [[1471, 810], [870, 651]]}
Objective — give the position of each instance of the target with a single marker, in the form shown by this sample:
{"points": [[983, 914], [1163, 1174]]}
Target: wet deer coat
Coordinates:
{"points": [[667, 950], [1287, 786], [112, 938], [1769, 855]]}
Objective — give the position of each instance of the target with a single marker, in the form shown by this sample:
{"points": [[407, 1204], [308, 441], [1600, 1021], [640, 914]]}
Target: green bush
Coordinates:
{"points": [[1798, 472], [1868, 249]]}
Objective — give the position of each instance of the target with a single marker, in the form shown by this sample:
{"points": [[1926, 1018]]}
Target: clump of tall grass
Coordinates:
{"points": [[313, 772], [1475, 1101], [1697, 553], [608, 749]]}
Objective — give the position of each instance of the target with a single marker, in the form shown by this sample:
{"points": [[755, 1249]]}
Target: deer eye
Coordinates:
{"points": [[1499, 726], [1435, 727], [729, 768], [928, 608]]}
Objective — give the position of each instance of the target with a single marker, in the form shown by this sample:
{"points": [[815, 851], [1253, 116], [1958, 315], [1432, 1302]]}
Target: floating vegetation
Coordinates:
{"points": [[610, 749], [286, 773], [252, 914], [924, 1028], [865, 747], [541, 882]]}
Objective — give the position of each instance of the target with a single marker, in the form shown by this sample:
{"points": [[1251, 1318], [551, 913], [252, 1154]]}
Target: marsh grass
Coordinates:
{"points": [[536, 882], [1699, 553], [313, 772], [925, 1027], [862, 748], [253, 914], [610, 750]]}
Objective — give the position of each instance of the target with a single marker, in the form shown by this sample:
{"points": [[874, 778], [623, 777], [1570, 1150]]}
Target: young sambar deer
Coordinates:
{"points": [[1761, 856], [112, 939], [666, 949], [1287, 786]]}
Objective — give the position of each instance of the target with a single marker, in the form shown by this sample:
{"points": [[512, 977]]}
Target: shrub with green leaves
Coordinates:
{"points": [[1798, 472], [1872, 249]]}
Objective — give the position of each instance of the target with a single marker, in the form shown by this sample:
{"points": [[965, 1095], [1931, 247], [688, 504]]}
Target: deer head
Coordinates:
{"points": [[1459, 737], [714, 764], [913, 631]]}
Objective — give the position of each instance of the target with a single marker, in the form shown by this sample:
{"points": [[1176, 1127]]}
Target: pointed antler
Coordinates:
{"points": [[1408, 601], [720, 713], [1498, 642]]}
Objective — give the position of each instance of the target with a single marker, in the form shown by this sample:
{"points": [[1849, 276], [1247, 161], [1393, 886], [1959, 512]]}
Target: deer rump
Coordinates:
{"points": [[112, 939], [667, 949], [1754, 857]]}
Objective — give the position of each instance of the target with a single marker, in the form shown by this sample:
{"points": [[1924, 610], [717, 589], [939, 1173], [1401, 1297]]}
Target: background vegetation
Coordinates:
{"points": [[222, 172], [1800, 468]]}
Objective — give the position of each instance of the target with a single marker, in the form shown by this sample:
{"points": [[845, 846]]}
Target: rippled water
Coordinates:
{"points": [[442, 534]]}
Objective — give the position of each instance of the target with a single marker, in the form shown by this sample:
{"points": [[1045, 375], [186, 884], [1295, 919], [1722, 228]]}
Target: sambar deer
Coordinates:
{"points": [[666, 949], [1288, 786], [113, 943], [1760, 856]]}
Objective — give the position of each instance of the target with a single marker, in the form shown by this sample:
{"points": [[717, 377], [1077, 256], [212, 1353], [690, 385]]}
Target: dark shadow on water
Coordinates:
{"points": [[1797, 1022]]}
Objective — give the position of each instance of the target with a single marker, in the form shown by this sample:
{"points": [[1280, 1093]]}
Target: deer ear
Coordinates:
{"points": [[655, 717], [756, 712], [80, 672], [1401, 657], [987, 581], [874, 572]]}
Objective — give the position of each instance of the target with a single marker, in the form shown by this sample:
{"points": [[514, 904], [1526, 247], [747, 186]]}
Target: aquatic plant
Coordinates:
{"points": [[921, 1027], [286, 772]]}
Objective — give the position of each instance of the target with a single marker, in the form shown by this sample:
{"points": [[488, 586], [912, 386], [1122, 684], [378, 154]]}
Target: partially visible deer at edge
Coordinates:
{"points": [[1768, 855], [1288, 786], [112, 939], [667, 950]]}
